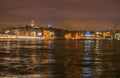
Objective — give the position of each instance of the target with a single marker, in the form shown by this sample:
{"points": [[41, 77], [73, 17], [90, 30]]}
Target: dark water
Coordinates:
{"points": [[59, 59]]}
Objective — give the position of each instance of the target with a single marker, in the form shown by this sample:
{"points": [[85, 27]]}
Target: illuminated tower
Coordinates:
{"points": [[32, 23]]}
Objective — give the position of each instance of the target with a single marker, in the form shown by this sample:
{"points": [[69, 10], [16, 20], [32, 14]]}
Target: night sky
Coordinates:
{"points": [[67, 14]]}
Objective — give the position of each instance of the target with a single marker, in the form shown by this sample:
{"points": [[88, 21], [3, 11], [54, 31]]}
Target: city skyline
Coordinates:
{"points": [[68, 14]]}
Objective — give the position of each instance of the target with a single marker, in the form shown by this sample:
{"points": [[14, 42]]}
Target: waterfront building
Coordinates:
{"points": [[49, 32]]}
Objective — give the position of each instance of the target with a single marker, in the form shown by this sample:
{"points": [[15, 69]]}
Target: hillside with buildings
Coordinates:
{"points": [[45, 33]]}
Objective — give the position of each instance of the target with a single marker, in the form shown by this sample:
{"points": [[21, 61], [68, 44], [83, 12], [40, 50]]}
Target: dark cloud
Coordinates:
{"points": [[73, 14]]}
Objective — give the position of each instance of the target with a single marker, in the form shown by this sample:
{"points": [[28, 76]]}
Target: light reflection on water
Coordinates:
{"points": [[59, 59], [86, 71]]}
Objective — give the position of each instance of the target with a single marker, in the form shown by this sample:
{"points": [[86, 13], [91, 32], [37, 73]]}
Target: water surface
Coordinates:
{"points": [[59, 58]]}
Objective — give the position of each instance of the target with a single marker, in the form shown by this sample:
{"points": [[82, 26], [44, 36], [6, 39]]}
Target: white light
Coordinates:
{"points": [[39, 34]]}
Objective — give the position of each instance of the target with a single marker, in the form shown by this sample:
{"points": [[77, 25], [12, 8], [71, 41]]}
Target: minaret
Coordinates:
{"points": [[114, 31], [115, 27]]}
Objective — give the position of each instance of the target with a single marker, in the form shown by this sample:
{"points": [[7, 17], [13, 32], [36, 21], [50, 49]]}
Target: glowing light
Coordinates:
{"points": [[32, 23], [39, 34], [88, 33], [49, 25], [68, 36]]}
